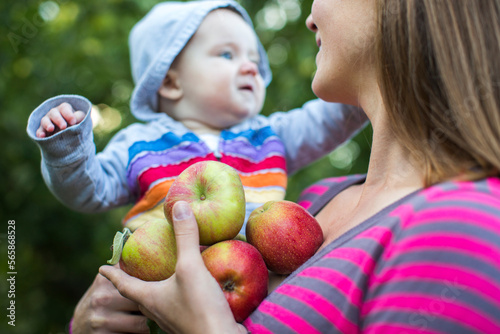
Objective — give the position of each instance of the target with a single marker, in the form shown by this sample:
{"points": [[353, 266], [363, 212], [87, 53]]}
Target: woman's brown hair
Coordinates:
{"points": [[439, 74]]}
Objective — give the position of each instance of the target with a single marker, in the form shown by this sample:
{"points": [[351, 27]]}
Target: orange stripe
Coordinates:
{"points": [[264, 180], [152, 197]]}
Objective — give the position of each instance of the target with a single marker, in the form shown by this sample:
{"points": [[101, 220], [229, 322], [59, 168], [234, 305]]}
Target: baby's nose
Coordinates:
{"points": [[249, 67]]}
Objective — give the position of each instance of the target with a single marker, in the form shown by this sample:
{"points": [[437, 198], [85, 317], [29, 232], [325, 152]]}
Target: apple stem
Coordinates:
{"points": [[229, 286], [118, 242]]}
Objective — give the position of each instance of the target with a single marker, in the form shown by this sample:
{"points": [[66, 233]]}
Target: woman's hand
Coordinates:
{"points": [[190, 301], [103, 310]]}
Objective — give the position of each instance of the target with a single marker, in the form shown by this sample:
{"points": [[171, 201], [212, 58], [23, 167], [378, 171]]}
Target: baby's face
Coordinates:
{"points": [[218, 72]]}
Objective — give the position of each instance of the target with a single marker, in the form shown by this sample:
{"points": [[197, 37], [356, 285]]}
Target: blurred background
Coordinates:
{"points": [[80, 47]]}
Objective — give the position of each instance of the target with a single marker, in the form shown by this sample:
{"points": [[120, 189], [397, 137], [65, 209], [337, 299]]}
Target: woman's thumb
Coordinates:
{"points": [[186, 231]]}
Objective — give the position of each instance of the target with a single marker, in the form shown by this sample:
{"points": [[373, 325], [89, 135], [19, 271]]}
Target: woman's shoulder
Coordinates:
{"points": [[442, 257], [453, 217], [473, 202], [323, 187]]}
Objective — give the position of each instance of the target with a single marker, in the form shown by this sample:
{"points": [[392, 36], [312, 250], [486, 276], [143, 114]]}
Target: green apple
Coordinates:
{"points": [[285, 233], [150, 253], [216, 197], [241, 273]]}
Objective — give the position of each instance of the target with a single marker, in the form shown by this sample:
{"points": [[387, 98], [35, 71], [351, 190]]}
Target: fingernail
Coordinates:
{"points": [[181, 210]]}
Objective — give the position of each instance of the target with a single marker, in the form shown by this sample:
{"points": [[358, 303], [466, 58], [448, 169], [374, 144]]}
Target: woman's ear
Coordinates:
{"points": [[170, 87]]}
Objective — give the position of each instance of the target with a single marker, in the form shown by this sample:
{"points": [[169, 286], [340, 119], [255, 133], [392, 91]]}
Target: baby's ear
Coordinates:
{"points": [[170, 87]]}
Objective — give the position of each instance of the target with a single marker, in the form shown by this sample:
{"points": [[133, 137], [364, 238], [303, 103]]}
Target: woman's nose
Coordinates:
{"points": [[310, 24]]}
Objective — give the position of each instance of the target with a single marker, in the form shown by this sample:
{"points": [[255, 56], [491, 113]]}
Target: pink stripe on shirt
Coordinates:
{"points": [[255, 328], [359, 257], [320, 305], [456, 242], [287, 318], [456, 215], [317, 190], [429, 305], [473, 198], [305, 204], [458, 277], [494, 186], [337, 280], [380, 234]]}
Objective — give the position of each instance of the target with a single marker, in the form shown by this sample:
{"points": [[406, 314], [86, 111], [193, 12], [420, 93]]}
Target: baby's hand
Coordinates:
{"points": [[59, 118]]}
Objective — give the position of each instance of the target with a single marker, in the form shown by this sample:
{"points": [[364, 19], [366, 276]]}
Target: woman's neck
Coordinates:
{"points": [[391, 167]]}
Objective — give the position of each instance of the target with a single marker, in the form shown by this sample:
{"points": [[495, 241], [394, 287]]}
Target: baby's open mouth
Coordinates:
{"points": [[247, 87]]}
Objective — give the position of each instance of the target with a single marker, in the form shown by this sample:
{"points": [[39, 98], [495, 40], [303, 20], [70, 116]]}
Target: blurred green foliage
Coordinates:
{"points": [[69, 47]]}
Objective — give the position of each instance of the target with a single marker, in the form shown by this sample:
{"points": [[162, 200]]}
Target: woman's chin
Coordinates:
{"points": [[321, 91]]}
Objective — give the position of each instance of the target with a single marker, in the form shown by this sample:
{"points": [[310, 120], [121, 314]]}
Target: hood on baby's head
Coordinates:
{"points": [[159, 37]]}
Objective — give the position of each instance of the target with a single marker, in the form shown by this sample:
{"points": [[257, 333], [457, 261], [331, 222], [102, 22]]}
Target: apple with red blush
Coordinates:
{"points": [[285, 233]]}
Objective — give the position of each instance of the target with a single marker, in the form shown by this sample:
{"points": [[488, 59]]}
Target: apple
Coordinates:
{"points": [[285, 233], [216, 197], [150, 253], [241, 273]]}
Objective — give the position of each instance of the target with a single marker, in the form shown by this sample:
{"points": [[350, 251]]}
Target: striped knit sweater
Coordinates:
{"points": [[429, 263], [257, 155]]}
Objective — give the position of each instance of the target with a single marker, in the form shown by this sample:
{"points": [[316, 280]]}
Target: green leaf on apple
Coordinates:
{"points": [[118, 242]]}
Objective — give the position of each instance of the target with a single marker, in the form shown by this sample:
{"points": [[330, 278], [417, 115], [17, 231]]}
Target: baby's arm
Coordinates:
{"points": [[59, 118], [315, 129], [74, 173]]}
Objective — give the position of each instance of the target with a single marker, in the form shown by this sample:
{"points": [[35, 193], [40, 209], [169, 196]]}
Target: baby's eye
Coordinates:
{"points": [[226, 54]]}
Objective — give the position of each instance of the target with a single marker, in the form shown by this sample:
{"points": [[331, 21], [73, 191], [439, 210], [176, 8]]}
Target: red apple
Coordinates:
{"points": [[285, 233], [216, 196], [149, 253], [241, 273]]}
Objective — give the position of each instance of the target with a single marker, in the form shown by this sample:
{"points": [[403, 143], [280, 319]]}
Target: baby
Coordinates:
{"points": [[200, 73]]}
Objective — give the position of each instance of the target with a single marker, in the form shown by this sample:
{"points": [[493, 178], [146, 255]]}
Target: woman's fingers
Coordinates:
{"points": [[138, 291], [128, 286], [104, 310], [108, 296], [128, 323]]}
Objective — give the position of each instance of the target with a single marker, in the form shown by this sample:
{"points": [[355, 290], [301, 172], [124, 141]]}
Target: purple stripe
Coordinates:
{"points": [[172, 156], [243, 148]]}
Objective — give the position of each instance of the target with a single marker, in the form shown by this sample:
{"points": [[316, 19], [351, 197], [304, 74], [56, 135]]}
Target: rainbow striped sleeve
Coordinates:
{"points": [[429, 263]]}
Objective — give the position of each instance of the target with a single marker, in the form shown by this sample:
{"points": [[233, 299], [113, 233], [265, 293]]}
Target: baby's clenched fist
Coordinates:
{"points": [[59, 118]]}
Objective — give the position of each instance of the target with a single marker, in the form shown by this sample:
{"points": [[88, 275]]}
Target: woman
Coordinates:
{"points": [[413, 246]]}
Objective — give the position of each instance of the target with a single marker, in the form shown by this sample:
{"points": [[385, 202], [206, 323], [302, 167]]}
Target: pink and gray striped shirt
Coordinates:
{"points": [[429, 263]]}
